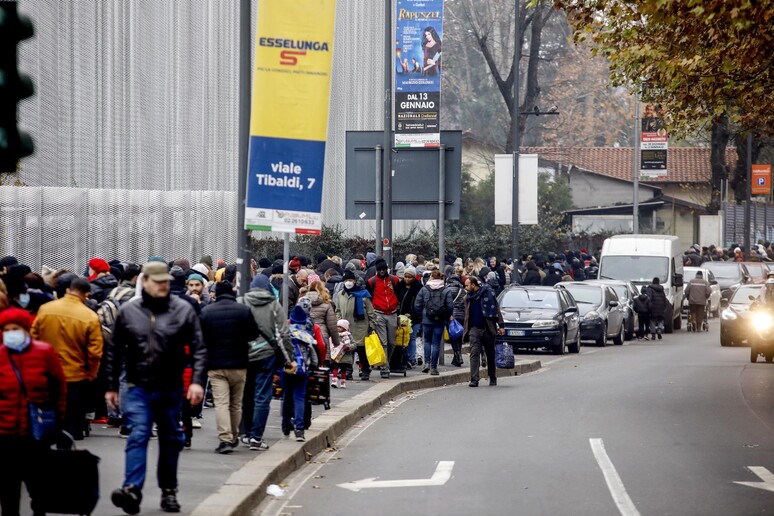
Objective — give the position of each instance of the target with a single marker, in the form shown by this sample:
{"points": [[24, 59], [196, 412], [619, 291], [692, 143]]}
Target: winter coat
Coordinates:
{"points": [[489, 304], [383, 293], [345, 309], [324, 316], [332, 282], [74, 331], [271, 322], [151, 346], [553, 277], [306, 343], [101, 287], [641, 304], [457, 293], [698, 291], [227, 327], [293, 289], [44, 379], [420, 305], [658, 300], [407, 296], [532, 277]]}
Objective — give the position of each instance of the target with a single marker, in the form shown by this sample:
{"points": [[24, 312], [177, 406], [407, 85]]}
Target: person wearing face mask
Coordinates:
{"points": [[39, 367], [353, 303], [74, 331]]}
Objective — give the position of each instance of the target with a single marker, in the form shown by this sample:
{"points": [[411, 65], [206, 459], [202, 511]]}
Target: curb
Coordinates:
{"points": [[246, 488]]}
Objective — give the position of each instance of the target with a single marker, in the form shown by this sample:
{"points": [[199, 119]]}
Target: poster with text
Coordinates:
{"points": [[654, 142], [418, 62]]}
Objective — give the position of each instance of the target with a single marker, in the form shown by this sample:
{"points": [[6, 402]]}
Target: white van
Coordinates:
{"points": [[639, 259]]}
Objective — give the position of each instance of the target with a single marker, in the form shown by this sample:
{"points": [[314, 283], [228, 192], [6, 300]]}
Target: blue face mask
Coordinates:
{"points": [[17, 340], [24, 300]]}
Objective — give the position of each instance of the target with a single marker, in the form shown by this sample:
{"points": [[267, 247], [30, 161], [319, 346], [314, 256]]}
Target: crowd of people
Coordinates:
{"points": [[142, 347]]}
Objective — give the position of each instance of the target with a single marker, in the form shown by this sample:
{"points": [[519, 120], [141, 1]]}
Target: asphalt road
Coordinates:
{"points": [[664, 427]]}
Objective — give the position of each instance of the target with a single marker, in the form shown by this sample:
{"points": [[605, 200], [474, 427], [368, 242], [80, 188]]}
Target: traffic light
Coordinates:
{"points": [[14, 87]]}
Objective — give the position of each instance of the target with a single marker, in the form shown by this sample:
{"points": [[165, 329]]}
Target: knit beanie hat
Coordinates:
{"points": [[297, 315], [16, 316], [349, 275], [99, 265], [312, 278], [343, 323], [197, 277], [410, 271], [262, 282], [305, 303], [201, 269]]}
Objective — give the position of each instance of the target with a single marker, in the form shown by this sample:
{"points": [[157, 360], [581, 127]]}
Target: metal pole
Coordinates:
{"points": [[285, 274], [515, 138], [636, 171], [378, 218], [747, 203], [243, 251], [387, 160], [442, 224]]}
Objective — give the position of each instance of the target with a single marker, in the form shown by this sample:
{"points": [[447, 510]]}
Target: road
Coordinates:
{"points": [[664, 427]]}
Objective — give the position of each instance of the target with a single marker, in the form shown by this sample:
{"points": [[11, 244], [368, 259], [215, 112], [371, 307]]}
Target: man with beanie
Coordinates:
{"points": [[295, 377], [74, 331], [697, 292], [227, 327], [150, 341], [382, 288], [270, 349], [196, 290]]}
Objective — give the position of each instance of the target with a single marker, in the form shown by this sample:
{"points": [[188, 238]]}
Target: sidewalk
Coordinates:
{"points": [[213, 484]]}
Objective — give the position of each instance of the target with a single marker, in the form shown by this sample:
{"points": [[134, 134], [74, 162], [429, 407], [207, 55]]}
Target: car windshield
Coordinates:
{"points": [[634, 268], [742, 295], [519, 298], [724, 270], [622, 291], [585, 295]]}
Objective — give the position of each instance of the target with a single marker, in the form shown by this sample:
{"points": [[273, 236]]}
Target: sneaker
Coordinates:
{"points": [[124, 432], [258, 445], [434, 372], [426, 369], [645, 338], [209, 404], [196, 424], [300, 436], [492, 382], [235, 443], [127, 499], [384, 374], [99, 421], [342, 384], [419, 360], [286, 431], [245, 439], [224, 448], [335, 383], [659, 336], [169, 501], [473, 383]]}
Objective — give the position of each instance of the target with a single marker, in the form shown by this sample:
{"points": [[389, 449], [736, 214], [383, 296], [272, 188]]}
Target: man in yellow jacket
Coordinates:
{"points": [[74, 331]]}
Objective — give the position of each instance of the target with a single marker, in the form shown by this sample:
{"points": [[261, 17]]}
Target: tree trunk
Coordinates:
{"points": [[739, 182], [719, 142]]}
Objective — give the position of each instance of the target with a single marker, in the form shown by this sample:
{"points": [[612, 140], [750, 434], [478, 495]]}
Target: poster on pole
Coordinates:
{"points": [[417, 65], [528, 189], [761, 180], [289, 118], [654, 142]]}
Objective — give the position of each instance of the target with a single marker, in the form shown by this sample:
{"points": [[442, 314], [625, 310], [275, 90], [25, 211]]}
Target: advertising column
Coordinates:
{"points": [[418, 62], [654, 141], [289, 120]]}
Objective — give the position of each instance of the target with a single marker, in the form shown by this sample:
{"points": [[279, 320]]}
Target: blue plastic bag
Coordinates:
{"points": [[504, 356], [455, 329]]}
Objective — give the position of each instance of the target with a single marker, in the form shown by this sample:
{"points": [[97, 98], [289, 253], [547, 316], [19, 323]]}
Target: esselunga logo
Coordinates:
{"points": [[293, 48]]}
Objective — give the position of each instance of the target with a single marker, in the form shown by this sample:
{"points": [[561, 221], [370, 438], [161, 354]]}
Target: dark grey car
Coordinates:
{"points": [[626, 293]]}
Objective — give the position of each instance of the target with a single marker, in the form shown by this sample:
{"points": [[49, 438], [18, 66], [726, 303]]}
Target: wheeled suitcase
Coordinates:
{"points": [[398, 360], [69, 480], [318, 388]]}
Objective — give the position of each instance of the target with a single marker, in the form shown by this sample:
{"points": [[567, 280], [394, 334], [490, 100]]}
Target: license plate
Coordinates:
{"points": [[516, 333]]}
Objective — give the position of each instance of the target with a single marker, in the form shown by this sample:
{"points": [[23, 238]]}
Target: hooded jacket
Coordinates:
{"points": [[271, 322], [457, 293], [641, 304], [658, 300], [102, 286], [420, 305], [323, 315]]}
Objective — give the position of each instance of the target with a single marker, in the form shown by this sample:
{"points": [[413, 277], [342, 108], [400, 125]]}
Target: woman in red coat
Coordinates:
{"points": [[40, 370]]}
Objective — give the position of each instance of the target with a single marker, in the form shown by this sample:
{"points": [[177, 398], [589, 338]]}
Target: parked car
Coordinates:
{"points": [[757, 270], [626, 293], [599, 310], [714, 300], [729, 276], [540, 317], [734, 327]]}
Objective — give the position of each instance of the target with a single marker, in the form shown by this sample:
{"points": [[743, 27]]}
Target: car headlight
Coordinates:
{"points": [[761, 320], [728, 315], [545, 324], [592, 315]]}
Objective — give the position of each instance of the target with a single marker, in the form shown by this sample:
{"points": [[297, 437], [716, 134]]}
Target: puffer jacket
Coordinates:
{"points": [[102, 286], [324, 316], [227, 327], [457, 293], [151, 345], [44, 379], [658, 300], [641, 304], [270, 320]]}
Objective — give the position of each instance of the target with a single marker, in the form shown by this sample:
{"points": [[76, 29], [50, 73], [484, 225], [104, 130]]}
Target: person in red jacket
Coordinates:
{"points": [[385, 300], [44, 381]]}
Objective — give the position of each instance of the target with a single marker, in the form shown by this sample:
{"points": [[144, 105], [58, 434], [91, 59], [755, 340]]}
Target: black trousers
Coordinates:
{"points": [[78, 400], [20, 457], [644, 320]]}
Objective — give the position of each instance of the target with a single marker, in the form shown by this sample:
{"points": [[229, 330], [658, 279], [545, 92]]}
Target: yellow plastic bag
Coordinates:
{"points": [[403, 336], [446, 337], [374, 351]]}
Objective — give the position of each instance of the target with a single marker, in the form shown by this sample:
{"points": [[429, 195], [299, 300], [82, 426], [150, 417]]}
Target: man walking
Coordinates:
{"points": [[483, 321], [150, 338], [227, 327], [385, 301], [697, 292], [74, 331]]}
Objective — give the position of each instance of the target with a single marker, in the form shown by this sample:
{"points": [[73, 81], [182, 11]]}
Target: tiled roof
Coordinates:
{"points": [[684, 164]]}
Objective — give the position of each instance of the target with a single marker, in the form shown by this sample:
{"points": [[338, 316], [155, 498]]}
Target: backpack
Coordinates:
{"points": [[435, 308], [107, 312]]}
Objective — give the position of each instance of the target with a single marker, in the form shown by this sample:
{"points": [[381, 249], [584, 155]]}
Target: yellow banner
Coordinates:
{"points": [[292, 75]]}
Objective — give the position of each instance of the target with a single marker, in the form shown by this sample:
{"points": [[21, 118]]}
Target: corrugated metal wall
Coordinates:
{"points": [[137, 99]]}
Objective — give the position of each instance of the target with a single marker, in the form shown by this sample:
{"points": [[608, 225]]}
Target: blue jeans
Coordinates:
{"points": [[142, 409], [122, 387], [293, 400], [262, 373], [433, 334], [412, 345]]}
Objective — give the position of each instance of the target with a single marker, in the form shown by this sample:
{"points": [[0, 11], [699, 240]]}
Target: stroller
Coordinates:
{"points": [[691, 326]]}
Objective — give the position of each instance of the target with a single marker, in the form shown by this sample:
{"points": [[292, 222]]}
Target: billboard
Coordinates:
{"points": [[654, 142], [419, 29], [528, 189], [289, 119], [761, 180]]}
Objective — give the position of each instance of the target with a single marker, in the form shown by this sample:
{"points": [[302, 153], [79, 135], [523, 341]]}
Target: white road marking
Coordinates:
{"points": [[440, 477], [762, 473], [614, 483]]}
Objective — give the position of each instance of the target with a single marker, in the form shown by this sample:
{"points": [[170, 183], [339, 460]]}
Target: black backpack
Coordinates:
{"points": [[435, 308]]}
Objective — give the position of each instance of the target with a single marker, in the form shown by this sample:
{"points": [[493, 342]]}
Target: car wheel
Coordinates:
{"points": [[619, 339], [753, 354], [559, 350], [575, 347], [725, 340], [602, 339]]}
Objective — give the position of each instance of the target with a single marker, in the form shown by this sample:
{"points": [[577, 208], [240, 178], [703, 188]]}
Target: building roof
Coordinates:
{"points": [[684, 164]]}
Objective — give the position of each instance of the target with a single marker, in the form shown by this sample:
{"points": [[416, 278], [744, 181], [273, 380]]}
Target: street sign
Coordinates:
{"points": [[761, 180], [440, 477]]}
